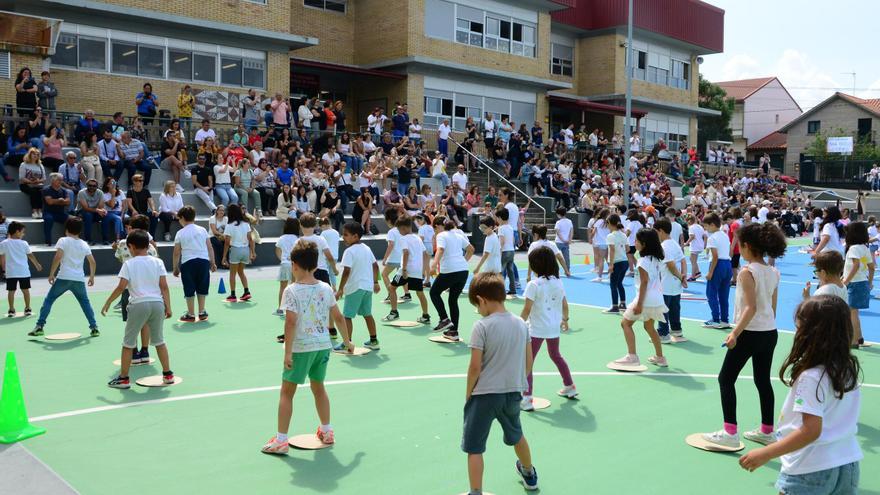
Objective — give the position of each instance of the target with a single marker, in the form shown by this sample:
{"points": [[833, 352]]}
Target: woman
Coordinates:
{"points": [[32, 179], [138, 131], [114, 199], [358, 153], [331, 207], [301, 195], [170, 202], [504, 132], [438, 169], [411, 201], [90, 158], [265, 179], [363, 206], [286, 203], [245, 186], [17, 146], [473, 202], [491, 197], [257, 153], [211, 150], [217, 225], [52, 145], [25, 92], [223, 182], [241, 136], [340, 116], [186, 102], [451, 262], [346, 151], [174, 128]]}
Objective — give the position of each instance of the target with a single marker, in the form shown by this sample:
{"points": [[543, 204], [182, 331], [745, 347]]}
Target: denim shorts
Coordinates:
{"points": [[239, 254], [859, 294], [841, 480]]}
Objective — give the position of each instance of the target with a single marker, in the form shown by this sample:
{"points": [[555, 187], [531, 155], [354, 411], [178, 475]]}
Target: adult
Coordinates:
{"points": [[438, 169], [223, 182], [110, 157], [147, 104], [139, 201], [244, 180], [17, 146], [25, 92], [90, 157], [265, 180], [490, 130], [87, 124], [173, 155], [331, 207], [339, 113], [90, 207], [399, 125], [251, 109], [170, 203], [46, 93], [203, 182], [114, 200], [205, 132], [133, 159], [280, 111], [32, 180], [52, 144], [460, 178], [451, 263], [71, 173], [217, 224], [304, 113], [443, 132], [56, 204], [186, 102]]}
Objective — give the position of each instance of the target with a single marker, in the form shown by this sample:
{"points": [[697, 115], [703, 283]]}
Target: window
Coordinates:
{"points": [[332, 5], [254, 71], [204, 67], [65, 51], [92, 54], [151, 61], [469, 32], [864, 127], [680, 73], [125, 58], [230, 71], [180, 65], [561, 60], [5, 65], [813, 126], [491, 31], [139, 60]]}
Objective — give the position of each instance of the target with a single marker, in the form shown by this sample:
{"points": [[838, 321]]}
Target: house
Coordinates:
{"points": [[761, 106]]}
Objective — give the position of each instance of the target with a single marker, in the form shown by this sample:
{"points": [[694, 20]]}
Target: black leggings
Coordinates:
{"points": [[759, 347], [34, 195], [618, 273], [455, 283]]}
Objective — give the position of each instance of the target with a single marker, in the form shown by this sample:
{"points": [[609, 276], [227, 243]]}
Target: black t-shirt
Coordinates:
{"points": [[48, 192], [165, 147], [139, 200], [330, 201], [404, 174], [322, 120], [24, 99], [203, 175]]}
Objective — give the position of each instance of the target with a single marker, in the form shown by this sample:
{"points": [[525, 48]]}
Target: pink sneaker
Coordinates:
{"points": [[628, 360], [275, 447], [325, 436], [658, 361]]}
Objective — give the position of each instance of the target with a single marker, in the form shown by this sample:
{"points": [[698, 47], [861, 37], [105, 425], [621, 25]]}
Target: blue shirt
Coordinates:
{"points": [[399, 123], [284, 176], [146, 105]]}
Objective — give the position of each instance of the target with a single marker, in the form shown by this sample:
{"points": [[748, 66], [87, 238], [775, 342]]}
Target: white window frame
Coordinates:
{"points": [[5, 65], [530, 47], [556, 61]]}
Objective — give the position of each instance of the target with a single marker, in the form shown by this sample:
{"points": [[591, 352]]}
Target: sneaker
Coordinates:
{"points": [[722, 438], [677, 333], [246, 296], [94, 332], [372, 344], [273, 446], [451, 335], [136, 357], [118, 306], [569, 392], [427, 285], [120, 382], [443, 325], [511, 293], [424, 319], [179, 188], [612, 310], [279, 312], [628, 360], [280, 339], [597, 279], [622, 306], [167, 236], [145, 356], [406, 297], [334, 335], [665, 339], [529, 480], [526, 404], [187, 318], [203, 316], [391, 316], [168, 377], [724, 325], [658, 361], [231, 299], [340, 347], [631, 275], [711, 324], [37, 331], [387, 300], [326, 437], [759, 436], [10, 313], [517, 285]]}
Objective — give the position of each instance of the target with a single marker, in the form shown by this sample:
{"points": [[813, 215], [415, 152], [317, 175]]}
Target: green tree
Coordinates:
{"points": [[714, 128], [863, 149]]}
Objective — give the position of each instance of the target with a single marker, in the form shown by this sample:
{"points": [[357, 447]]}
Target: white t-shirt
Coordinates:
{"points": [[568, 136], [721, 243], [143, 274], [633, 228], [505, 233], [426, 232], [453, 245], [201, 134], [312, 305], [16, 252], [672, 253], [193, 243], [699, 242], [220, 225], [394, 236], [544, 243], [492, 247], [489, 127], [545, 318], [237, 234], [332, 238], [461, 179], [443, 131], [654, 294], [359, 259], [812, 393], [834, 243], [833, 290], [618, 240], [224, 177], [513, 219], [762, 214], [817, 227], [75, 252], [676, 232], [601, 237], [285, 243], [873, 233], [564, 229], [322, 246], [412, 244], [858, 252]]}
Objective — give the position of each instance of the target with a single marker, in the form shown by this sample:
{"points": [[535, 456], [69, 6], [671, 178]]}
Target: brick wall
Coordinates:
{"points": [[273, 16], [383, 32], [18, 60], [335, 32]]}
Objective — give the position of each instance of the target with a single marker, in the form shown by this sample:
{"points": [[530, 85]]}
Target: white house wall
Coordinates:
{"points": [[770, 108]]}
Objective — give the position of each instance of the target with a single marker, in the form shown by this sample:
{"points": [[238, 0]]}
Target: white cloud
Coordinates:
{"points": [[740, 66], [806, 82]]}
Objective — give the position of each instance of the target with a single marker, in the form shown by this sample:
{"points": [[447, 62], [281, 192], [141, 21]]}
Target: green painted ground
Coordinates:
{"points": [[625, 435]]}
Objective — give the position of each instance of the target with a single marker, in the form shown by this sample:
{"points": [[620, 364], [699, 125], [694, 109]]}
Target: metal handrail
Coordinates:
{"points": [[501, 177]]}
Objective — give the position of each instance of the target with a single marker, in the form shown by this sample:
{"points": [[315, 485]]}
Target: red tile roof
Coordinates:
{"points": [[773, 141], [742, 89], [872, 105]]}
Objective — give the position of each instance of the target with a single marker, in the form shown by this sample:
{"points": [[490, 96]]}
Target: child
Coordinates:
{"points": [[719, 273], [326, 261], [564, 229], [391, 262], [426, 233], [238, 251], [734, 220], [634, 222], [672, 280], [16, 252], [4, 234], [599, 239], [829, 271], [858, 275], [817, 429], [697, 242], [500, 362], [508, 249], [123, 254], [413, 264], [149, 305], [816, 218], [491, 247], [283, 248], [546, 311], [193, 261], [617, 255], [358, 283], [873, 236], [648, 305], [308, 304], [539, 239], [754, 336], [71, 252], [332, 237]]}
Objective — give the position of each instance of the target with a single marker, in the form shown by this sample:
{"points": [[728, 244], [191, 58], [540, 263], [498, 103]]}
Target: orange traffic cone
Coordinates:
{"points": [[586, 259]]}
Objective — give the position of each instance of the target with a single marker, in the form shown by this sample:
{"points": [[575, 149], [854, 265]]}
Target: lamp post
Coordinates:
{"points": [[626, 119]]}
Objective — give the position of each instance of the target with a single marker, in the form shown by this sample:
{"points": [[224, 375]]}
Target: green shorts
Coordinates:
{"points": [[358, 303], [311, 364]]}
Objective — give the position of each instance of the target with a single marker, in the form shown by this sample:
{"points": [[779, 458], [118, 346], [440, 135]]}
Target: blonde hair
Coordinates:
{"points": [[30, 158], [170, 184]]}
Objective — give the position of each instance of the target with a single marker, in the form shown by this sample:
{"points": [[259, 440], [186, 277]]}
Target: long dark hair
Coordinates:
{"points": [[833, 216], [235, 214], [650, 243], [20, 77], [823, 337], [543, 262], [856, 233]]}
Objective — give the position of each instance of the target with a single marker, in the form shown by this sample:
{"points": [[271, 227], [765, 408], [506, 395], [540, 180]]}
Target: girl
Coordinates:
{"points": [[451, 267], [873, 235], [635, 222], [754, 336], [286, 203], [599, 239], [831, 231], [617, 254], [238, 251], [363, 206], [697, 242], [546, 311], [817, 429], [858, 275], [283, 248], [648, 305]]}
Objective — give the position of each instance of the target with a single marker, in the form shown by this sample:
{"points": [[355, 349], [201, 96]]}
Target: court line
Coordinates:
{"points": [[224, 393]]}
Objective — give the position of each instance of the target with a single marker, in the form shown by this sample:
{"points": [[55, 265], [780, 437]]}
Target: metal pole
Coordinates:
{"points": [[629, 88]]}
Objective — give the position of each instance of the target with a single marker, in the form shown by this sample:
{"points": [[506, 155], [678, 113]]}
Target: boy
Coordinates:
{"points": [[413, 264], [829, 270], [358, 283], [326, 261], [673, 277], [16, 252], [308, 303], [496, 378], [734, 223], [539, 239], [564, 235], [426, 234], [71, 252], [149, 305], [719, 273], [193, 262], [391, 262], [332, 237], [123, 254], [491, 248], [508, 249]]}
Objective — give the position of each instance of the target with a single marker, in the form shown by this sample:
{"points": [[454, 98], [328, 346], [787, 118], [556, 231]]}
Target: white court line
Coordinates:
{"points": [[114, 407]]}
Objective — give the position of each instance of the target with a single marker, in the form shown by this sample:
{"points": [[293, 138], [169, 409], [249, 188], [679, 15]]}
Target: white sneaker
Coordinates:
{"points": [[179, 188], [628, 360], [722, 438], [658, 361], [677, 333], [526, 403], [569, 392], [759, 436], [665, 339]]}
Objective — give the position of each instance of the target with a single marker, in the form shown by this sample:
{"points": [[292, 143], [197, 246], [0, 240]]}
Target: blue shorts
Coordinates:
{"points": [[196, 277], [859, 294], [841, 480]]}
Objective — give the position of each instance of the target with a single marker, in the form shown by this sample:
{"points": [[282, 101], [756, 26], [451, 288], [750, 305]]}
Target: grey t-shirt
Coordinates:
{"points": [[503, 338], [90, 200]]}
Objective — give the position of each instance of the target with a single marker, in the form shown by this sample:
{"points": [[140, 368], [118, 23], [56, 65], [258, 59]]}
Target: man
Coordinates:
{"points": [[558, 191], [117, 126], [47, 92], [594, 138], [86, 125], [203, 182], [280, 111], [139, 201], [205, 132], [109, 155], [568, 136], [90, 202], [56, 202], [132, 152], [460, 178], [399, 125], [147, 104], [376, 122], [72, 174], [251, 110], [443, 132], [489, 130], [537, 134]]}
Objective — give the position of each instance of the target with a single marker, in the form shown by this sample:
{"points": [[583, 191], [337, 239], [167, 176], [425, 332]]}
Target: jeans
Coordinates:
{"points": [[250, 124], [115, 171], [268, 199], [403, 187], [206, 198], [226, 194], [243, 196], [354, 163], [89, 220], [58, 289], [444, 180], [718, 291], [618, 272], [840, 480], [443, 146], [508, 269], [566, 254], [672, 317], [112, 226], [49, 219]]}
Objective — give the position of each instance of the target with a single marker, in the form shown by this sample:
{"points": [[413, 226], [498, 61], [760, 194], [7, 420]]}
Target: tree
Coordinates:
{"points": [[714, 128], [863, 149]]}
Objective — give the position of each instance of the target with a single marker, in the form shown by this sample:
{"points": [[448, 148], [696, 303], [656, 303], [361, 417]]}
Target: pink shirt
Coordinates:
{"points": [[52, 148], [279, 112]]}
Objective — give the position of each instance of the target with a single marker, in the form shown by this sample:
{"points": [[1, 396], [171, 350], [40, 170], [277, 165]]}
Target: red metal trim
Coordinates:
{"points": [[346, 68], [593, 106]]}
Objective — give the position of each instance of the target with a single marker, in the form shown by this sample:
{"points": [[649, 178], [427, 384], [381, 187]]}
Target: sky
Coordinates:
{"points": [[811, 46]]}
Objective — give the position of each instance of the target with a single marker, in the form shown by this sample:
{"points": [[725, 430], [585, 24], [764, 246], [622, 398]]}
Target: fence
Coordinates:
{"points": [[843, 174]]}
